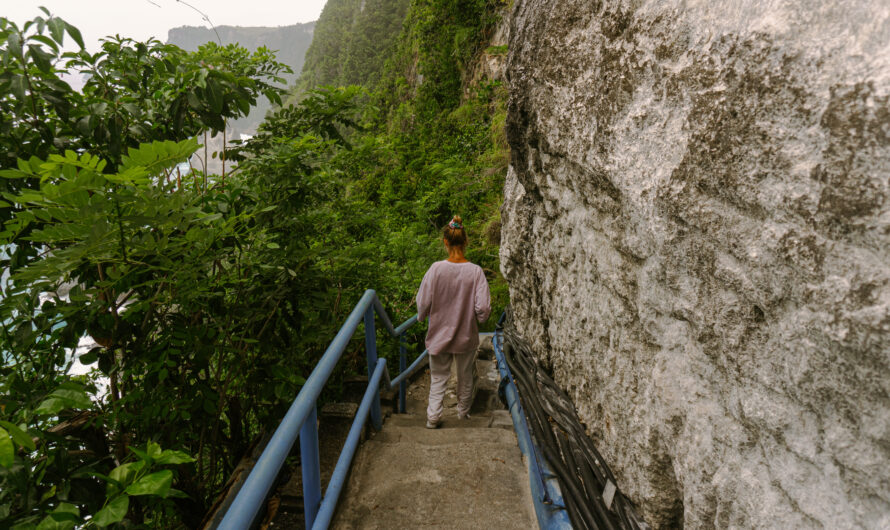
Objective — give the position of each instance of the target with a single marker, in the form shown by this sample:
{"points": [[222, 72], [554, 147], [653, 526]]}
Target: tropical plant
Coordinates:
{"points": [[112, 239], [197, 303]]}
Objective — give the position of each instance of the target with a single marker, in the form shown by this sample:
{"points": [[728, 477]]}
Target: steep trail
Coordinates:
{"points": [[466, 474]]}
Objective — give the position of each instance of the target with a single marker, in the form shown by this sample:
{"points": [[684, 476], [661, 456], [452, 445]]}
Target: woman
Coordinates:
{"points": [[454, 295]]}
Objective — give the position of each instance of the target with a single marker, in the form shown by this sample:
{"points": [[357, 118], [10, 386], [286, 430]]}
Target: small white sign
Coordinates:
{"points": [[609, 494]]}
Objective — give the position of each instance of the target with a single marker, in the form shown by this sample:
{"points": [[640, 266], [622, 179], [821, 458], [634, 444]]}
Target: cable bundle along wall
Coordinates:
{"points": [[589, 488]]}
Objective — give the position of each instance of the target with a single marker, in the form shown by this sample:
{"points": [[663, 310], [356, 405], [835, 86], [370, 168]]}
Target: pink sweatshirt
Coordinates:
{"points": [[454, 296]]}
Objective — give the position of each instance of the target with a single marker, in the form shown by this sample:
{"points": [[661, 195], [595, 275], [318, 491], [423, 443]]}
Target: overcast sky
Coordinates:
{"points": [[141, 19]]}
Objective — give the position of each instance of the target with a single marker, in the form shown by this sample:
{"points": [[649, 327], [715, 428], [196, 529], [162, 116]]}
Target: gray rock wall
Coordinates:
{"points": [[696, 232]]}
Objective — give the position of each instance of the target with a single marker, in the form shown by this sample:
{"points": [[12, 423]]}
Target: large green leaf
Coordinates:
{"points": [[41, 58], [75, 34], [152, 451], [113, 512], [64, 517], [173, 457], [7, 450], [64, 398], [18, 85], [90, 357], [154, 484], [14, 42], [19, 436], [57, 29], [77, 398], [123, 475], [214, 94], [51, 406]]}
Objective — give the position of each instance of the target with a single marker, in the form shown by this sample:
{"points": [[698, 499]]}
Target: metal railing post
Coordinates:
{"points": [[371, 349], [402, 365], [311, 467]]}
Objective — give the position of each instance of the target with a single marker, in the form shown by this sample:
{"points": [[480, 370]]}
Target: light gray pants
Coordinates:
{"points": [[440, 371]]}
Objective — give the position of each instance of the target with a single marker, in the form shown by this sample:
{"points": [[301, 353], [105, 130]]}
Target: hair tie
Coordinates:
{"points": [[455, 225]]}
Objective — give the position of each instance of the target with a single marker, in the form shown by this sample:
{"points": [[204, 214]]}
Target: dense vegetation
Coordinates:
{"points": [[432, 142], [207, 298]]}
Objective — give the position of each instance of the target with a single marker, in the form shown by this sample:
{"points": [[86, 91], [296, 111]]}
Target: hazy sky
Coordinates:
{"points": [[141, 19]]}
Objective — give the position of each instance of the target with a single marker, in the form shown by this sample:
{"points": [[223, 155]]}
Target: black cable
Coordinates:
{"points": [[571, 507], [570, 423], [600, 519], [552, 450], [591, 484], [580, 469], [547, 442]]}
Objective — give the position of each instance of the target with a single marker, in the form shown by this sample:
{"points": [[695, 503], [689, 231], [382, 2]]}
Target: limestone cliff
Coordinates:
{"points": [[697, 240]]}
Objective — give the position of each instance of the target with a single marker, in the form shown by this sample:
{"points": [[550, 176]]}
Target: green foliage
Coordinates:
{"points": [[134, 92], [170, 273], [440, 40], [207, 300], [87, 220], [113, 512], [325, 112], [290, 43], [174, 282], [208, 304]]}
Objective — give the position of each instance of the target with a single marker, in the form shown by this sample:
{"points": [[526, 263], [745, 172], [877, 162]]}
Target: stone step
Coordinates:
{"points": [[441, 436], [405, 477], [496, 418]]}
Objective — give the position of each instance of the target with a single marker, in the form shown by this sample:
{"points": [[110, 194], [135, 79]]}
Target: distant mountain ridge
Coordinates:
{"points": [[289, 42]]}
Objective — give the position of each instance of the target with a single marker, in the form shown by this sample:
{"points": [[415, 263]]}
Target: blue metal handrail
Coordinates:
{"points": [[301, 421], [546, 494]]}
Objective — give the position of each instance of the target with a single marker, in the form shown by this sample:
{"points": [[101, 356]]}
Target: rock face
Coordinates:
{"points": [[697, 240]]}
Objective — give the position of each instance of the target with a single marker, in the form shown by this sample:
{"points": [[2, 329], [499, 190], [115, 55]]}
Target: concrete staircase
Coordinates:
{"points": [[467, 474]]}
